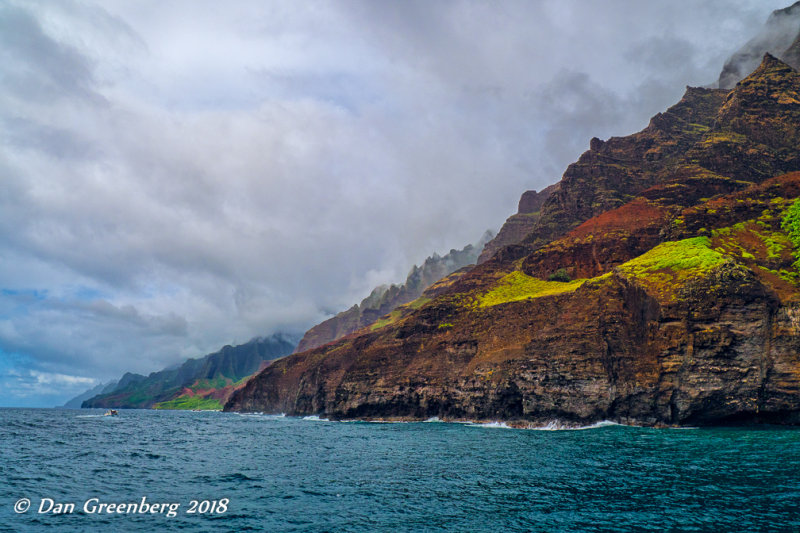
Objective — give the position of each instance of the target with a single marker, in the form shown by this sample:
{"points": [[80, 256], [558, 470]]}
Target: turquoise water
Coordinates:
{"points": [[285, 474]]}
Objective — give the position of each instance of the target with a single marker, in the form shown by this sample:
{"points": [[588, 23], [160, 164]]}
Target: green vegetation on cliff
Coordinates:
{"points": [[667, 265], [399, 313], [191, 402], [202, 376], [791, 225], [518, 286], [682, 259]]}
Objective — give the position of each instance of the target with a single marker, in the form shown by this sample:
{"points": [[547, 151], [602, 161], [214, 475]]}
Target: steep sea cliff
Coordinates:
{"points": [[676, 300]]}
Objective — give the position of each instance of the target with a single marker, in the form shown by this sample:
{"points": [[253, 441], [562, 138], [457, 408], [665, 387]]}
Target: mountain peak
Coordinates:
{"points": [[774, 79], [772, 71], [770, 62], [779, 37], [792, 10], [765, 108]]}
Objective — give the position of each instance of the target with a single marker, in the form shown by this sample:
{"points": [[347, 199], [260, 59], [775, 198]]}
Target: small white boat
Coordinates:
{"points": [[111, 412]]}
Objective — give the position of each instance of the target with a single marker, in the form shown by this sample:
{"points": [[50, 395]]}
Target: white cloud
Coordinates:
{"points": [[178, 176], [45, 378], [40, 389]]}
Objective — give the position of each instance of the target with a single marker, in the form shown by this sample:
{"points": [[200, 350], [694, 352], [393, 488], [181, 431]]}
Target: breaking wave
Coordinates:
{"points": [[315, 418], [556, 425], [496, 424]]}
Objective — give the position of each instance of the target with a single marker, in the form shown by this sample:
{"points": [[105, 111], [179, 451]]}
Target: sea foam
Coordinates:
{"points": [[315, 418], [556, 425]]}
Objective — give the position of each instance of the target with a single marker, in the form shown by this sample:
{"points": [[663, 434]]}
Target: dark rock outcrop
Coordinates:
{"points": [[519, 225], [612, 173]]}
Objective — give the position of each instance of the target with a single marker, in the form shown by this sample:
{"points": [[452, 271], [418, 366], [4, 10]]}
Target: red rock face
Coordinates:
{"points": [[687, 310], [613, 172]]}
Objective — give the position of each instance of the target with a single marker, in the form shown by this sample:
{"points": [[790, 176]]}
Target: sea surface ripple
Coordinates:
{"points": [[289, 474]]}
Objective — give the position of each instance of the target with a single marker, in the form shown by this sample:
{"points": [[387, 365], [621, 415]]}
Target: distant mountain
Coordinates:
{"points": [[103, 388], [384, 299], [780, 37], [202, 383]]}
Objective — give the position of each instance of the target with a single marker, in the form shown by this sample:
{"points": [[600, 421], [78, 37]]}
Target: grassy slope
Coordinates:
{"points": [[204, 395], [191, 402], [760, 244], [518, 286]]}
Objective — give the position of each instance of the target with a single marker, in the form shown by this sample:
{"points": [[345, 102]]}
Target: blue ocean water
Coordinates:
{"points": [[287, 474]]}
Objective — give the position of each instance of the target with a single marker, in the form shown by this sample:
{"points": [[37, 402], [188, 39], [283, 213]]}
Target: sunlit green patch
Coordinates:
{"points": [[785, 275], [791, 225], [218, 382], [725, 137], [696, 128], [419, 302], [775, 242], [399, 313], [384, 321], [518, 286], [669, 265], [731, 238], [680, 258], [191, 402]]}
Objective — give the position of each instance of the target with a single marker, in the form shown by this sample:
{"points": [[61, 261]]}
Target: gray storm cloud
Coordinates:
{"points": [[177, 176]]}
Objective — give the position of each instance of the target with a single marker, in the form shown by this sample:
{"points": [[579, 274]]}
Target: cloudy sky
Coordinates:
{"points": [[180, 175]]}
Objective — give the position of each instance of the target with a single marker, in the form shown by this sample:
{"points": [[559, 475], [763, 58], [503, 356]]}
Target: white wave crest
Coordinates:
{"points": [[315, 418], [557, 425], [496, 424], [261, 415]]}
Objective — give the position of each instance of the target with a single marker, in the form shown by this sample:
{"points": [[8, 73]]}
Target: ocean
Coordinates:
{"points": [[76, 470]]}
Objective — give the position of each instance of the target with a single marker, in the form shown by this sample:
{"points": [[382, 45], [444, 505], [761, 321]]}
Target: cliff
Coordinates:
{"points": [[519, 225], [678, 300], [204, 383], [384, 299]]}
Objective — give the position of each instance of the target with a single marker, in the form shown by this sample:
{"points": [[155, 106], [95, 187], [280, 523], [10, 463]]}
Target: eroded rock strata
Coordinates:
{"points": [[676, 299]]}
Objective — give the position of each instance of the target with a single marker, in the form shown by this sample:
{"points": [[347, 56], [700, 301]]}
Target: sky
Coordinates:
{"points": [[180, 175]]}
